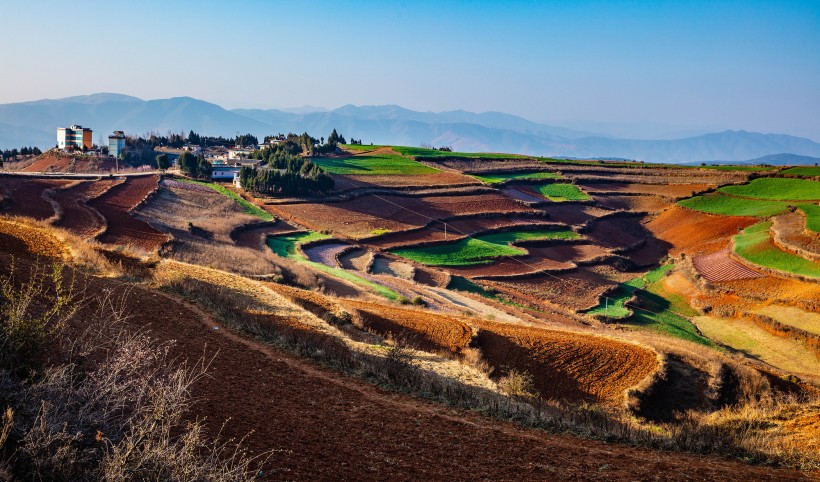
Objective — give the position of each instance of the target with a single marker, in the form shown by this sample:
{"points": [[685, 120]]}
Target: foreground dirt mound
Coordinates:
{"points": [[20, 239], [115, 206], [73, 163], [329, 426]]}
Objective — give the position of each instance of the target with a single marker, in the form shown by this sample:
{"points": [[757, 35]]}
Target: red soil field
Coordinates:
{"points": [[26, 196], [617, 231], [646, 204], [358, 218], [669, 190], [510, 266], [720, 266], [790, 234], [694, 232], [576, 290], [649, 254], [122, 228], [421, 329], [572, 213], [50, 162], [331, 426], [568, 252], [77, 216], [455, 229], [565, 365]]}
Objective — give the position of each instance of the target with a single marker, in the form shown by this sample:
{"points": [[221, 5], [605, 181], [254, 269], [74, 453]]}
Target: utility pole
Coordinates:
{"points": [[445, 231]]}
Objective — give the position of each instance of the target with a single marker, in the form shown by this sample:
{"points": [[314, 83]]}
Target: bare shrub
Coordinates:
{"points": [[110, 404], [518, 384]]}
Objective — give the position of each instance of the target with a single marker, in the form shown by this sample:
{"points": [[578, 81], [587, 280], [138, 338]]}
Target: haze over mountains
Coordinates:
{"points": [[34, 123]]}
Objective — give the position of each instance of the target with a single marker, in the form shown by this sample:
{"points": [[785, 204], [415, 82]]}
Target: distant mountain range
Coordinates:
{"points": [[34, 123]]}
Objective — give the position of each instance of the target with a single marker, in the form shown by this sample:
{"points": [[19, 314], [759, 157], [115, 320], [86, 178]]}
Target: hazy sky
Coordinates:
{"points": [[735, 64]]}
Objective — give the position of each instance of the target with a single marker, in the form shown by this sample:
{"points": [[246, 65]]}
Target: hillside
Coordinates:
{"points": [[33, 123]]}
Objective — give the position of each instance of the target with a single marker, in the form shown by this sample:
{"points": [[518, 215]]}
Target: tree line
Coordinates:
{"points": [[12, 154], [193, 166], [309, 180]]}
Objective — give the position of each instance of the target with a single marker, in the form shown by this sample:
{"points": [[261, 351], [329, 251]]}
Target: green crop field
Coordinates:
{"points": [[776, 189], [812, 212], [360, 147], [478, 250], [755, 245], [382, 164], [423, 152], [285, 246], [807, 171], [498, 178], [562, 192], [717, 203], [247, 207]]}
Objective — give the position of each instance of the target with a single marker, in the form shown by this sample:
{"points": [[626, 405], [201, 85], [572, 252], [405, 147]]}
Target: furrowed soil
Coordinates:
{"points": [[694, 232], [720, 266], [358, 218], [122, 228], [327, 425], [668, 190], [26, 196], [77, 217]]}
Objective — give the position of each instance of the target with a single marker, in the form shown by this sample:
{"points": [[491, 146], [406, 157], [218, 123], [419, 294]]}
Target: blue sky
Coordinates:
{"points": [[702, 65]]}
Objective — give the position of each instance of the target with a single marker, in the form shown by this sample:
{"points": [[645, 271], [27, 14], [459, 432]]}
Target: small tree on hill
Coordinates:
{"points": [[188, 164]]}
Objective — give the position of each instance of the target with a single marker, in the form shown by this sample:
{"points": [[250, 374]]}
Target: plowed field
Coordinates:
{"points": [[421, 329], [77, 216], [720, 266], [565, 365], [694, 232], [26, 196], [330, 426], [360, 217], [668, 190], [123, 228]]}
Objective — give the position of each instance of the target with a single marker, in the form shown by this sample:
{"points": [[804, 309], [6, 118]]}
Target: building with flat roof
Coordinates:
{"points": [[116, 143], [74, 137]]}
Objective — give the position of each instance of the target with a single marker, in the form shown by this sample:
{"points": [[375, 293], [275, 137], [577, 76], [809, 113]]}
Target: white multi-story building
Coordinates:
{"points": [[74, 137]]}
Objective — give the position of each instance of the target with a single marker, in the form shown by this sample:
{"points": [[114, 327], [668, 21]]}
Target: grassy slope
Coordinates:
{"points": [[755, 245], [480, 249], [661, 311], [420, 151], [717, 203], [247, 207], [381, 164], [749, 338], [776, 189], [808, 171], [812, 212], [285, 246], [562, 192], [498, 178]]}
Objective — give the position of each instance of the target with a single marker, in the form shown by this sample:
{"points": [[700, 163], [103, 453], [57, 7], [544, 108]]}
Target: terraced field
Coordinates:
{"points": [[776, 189], [478, 250], [26, 196], [561, 192], [76, 215], [755, 245], [385, 163], [115, 206], [720, 266], [504, 177], [805, 171]]}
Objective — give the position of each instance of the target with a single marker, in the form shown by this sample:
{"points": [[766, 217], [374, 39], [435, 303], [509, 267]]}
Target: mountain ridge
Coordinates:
{"points": [[34, 123]]}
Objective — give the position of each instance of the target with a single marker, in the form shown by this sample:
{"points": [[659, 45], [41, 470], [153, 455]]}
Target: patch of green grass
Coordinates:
{"points": [[499, 178], [806, 171], [755, 245], [480, 249], [247, 206], [657, 309], [717, 203], [381, 164], [776, 189], [285, 246], [562, 192], [359, 147], [379, 231], [812, 212]]}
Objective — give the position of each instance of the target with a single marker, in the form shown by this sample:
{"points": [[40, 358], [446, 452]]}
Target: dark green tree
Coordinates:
{"points": [[188, 164], [163, 163]]}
